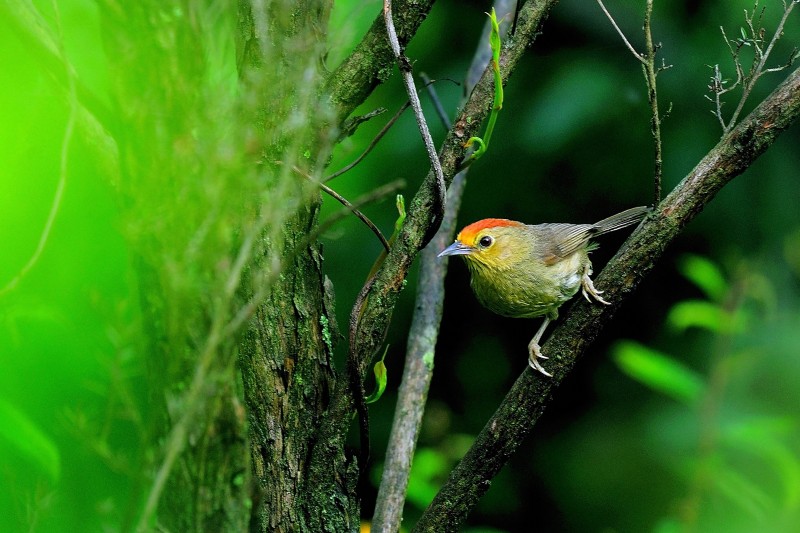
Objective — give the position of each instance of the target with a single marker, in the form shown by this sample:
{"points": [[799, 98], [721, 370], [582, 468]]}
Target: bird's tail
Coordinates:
{"points": [[620, 220]]}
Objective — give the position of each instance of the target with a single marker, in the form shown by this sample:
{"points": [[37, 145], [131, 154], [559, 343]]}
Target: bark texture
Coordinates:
{"points": [[285, 356]]}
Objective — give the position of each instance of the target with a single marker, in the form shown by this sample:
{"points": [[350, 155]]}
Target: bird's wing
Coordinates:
{"points": [[559, 241]]}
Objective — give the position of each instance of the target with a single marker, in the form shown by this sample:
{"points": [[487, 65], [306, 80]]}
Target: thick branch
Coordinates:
{"points": [[531, 393]]}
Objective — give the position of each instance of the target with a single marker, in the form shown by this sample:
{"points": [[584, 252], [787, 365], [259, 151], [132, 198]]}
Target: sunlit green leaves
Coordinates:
{"points": [[697, 313], [745, 463], [705, 274], [659, 371]]}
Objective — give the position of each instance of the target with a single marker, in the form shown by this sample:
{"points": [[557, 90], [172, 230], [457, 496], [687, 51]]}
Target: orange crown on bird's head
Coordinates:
{"points": [[469, 234]]}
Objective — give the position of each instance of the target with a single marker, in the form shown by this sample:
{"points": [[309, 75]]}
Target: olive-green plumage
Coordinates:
{"points": [[525, 271]]}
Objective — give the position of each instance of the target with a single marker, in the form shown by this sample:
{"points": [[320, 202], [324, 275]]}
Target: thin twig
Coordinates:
{"points": [[437, 103], [370, 146], [411, 89], [758, 70], [342, 200], [636, 54], [380, 135], [650, 73], [371, 225], [423, 333]]}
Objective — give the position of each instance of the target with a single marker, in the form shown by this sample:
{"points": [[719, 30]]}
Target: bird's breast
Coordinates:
{"points": [[525, 292]]}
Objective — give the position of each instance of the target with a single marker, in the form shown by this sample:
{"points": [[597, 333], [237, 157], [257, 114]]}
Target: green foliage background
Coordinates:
{"points": [[689, 423]]}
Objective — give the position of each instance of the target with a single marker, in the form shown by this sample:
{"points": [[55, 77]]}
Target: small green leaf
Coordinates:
{"points": [[380, 379], [20, 436], [401, 210], [483, 143], [698, 314], [659, 371], [705, 274], [494, 36]]}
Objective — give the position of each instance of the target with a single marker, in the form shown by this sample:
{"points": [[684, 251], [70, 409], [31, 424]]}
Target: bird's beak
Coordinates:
{"points": [[457, 248]]}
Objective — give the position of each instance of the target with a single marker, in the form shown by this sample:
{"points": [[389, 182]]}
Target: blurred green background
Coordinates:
{"points": [[683, 417]]}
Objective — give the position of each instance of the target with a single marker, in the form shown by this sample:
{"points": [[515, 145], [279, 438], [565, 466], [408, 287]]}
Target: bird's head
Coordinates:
{"points": [[491, 243]]}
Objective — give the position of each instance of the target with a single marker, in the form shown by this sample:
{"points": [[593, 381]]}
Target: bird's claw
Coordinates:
{"points": [[534, 354], [587, 289]]}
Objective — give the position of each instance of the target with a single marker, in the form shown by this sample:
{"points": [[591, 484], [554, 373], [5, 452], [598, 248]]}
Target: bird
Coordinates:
{"points": [[527, 271]]}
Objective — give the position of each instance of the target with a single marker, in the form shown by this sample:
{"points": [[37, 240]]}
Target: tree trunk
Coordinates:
{"points": [[286, 354]]}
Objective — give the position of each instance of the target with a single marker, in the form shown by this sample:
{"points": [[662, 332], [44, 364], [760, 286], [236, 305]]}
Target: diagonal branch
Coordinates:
{"points": [[531, 393]]}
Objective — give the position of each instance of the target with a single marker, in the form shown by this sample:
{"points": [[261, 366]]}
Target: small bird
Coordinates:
{"points": [[525, 271]]}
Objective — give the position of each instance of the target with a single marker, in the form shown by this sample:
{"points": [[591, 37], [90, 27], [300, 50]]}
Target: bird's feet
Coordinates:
{"points": [[534, 354], [587, 289]]}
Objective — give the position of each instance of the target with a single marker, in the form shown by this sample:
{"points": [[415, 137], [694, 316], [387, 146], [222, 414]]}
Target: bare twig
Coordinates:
{"points": [[530, 395], [370, 146], [342, 200], [650, 71], [747, 80], [437, 103], [411, 89], [361, 216], [636, 54], [422, 336], [377, 137]]}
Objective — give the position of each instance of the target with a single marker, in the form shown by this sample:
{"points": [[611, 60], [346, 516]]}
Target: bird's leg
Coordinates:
{"points": [[535, 352], [587, 287]]}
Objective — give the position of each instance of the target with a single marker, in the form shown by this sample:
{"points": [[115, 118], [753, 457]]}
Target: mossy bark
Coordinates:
{"points": [[285, 355]]}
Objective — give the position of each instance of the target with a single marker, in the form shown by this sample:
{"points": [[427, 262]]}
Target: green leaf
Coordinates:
{"points": [[705, 274], [400, 201], [380, 379], [483, 143], [697, 313], [20, 436], [659, 371]]}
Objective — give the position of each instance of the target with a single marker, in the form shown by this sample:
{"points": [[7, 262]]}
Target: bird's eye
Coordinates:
{"points": [[486, 241]]}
